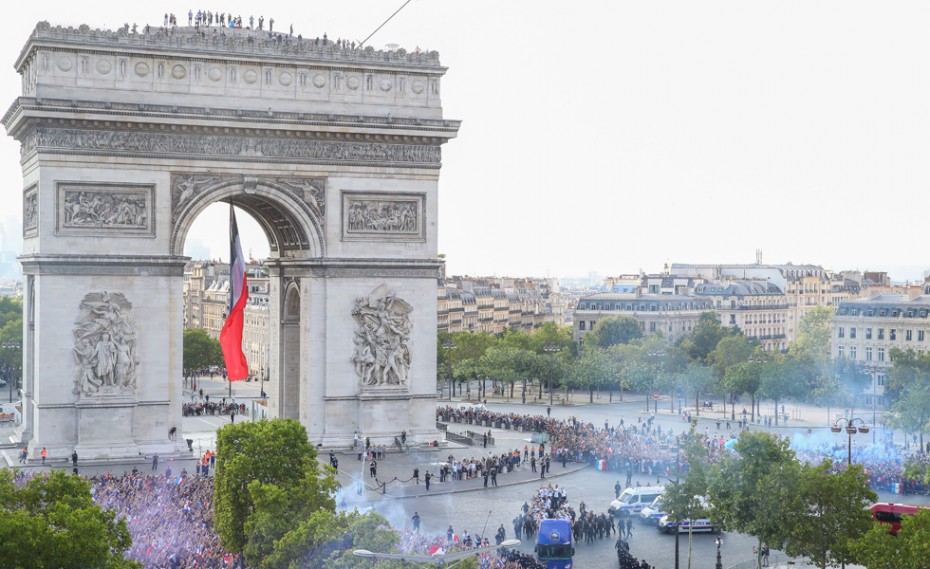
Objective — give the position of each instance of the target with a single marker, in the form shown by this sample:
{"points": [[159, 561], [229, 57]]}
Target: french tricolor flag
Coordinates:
{"points": [[237, 368]]}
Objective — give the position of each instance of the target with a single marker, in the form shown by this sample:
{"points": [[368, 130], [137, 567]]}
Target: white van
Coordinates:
{"points": [[472, 407], [667, 525], [652, 513], [633, 500]]}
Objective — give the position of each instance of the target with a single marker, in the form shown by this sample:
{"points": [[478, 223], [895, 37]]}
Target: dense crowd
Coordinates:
{"points": [[645, 447], [208, 407]]}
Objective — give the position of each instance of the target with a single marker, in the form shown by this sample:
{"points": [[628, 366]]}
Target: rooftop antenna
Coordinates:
{"points": [[383, 23]]}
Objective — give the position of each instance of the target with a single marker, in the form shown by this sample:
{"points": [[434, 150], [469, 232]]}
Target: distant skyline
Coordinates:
{"points": [[615, 137]]}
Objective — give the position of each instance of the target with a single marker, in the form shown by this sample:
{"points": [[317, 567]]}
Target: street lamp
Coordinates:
{"points": [[449, 345], [873, 370], [12, 377], [851, 430], [261, 379], [551, 348], [718, 542]]}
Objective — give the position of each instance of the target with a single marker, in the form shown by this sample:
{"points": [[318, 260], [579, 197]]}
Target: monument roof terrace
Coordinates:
{"points": [[224, 42]]}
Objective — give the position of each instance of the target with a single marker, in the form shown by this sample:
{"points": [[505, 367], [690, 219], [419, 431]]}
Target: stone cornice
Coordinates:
{"points": [[434, 131], [224, 44], [357, 268], [87, 265]]}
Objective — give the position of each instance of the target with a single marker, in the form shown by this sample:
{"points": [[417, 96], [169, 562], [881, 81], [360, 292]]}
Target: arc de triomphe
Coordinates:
{"points": [[128, 135]]}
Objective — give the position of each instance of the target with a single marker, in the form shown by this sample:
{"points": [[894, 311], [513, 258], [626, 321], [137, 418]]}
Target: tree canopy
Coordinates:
{"points": [[52, 522], [200, 350], [612, 331]]}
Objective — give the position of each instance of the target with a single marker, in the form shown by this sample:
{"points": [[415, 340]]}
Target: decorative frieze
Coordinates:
{"points": [[105, 209], [383, 216], [204, 146]]}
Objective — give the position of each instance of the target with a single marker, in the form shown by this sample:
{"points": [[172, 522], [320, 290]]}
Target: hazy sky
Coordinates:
{"points": [[617, 136]]}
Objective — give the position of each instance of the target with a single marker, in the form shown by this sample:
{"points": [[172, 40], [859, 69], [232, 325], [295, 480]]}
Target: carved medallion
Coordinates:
{"points": [[250, 76], [418, 87], [65, 63], [104, 66], [285, 78], [179, 71], [382, 339], [105, 346], [215, 74], [142, 69], [353, 82], [319, 81]]}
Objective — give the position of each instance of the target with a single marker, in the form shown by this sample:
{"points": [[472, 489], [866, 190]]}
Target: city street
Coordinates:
{"points": [[466, 505]]}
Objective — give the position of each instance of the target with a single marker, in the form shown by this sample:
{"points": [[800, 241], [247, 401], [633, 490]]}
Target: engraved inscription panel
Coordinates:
{"points": [[367, 216], [123, 210]]}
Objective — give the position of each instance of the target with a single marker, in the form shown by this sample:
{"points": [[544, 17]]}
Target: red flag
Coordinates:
{"points": [[237, 368]]}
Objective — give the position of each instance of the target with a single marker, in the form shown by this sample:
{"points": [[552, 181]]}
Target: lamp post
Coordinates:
{"points": [[449, 345], [551, 348], [261, 379], [718, 542], [851, 430], [873, 371], [12, 378]]}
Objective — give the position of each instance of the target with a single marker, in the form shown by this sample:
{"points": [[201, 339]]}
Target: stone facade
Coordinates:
{"points": [[494, 304], [128, 135], [865, 331], [670, 316]]}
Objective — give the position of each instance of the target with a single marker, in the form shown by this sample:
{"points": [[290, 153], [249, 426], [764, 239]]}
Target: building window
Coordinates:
{"points": [[881, 333], [842, 332], [840, 351], [881, 354], [892, 334], [880, 379], [920, 335], [581, 325], [852, 352], [868, 354], [908, 335], [652, 327], [852, 333], [868, 333]]}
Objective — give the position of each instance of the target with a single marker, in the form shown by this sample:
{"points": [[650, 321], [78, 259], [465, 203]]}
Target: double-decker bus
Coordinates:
{"points": [[554, 545], [891, 514]]}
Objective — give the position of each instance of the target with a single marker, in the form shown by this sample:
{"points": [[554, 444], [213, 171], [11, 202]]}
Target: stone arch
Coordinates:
{"points": [[290, 211]]}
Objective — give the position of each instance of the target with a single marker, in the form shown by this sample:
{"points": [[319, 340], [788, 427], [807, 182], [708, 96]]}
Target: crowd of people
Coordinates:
{"points": [[646, 448], [207, 407]]}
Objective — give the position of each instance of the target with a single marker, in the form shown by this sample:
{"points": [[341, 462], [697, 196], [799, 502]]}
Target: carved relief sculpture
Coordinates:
{"points": [[380, 216], [105, 346], [104, 208], [31, 211], [382, 339]]}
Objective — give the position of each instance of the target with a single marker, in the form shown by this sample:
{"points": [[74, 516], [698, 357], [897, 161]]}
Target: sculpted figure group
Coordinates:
{"points": [[382, 339], [105, 345]]}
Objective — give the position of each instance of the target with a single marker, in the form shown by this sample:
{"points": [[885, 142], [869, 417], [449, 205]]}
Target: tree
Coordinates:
{"points": [[612, 331], [685, 499], [267, 480], [811, 347], [54, 522], [781, 377], [590, 370], [878, 549], [704, 337], [696, 378], [756, 490], [833, 515], [741, 378], [200, 350], [909, 389]]}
